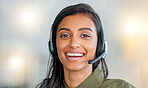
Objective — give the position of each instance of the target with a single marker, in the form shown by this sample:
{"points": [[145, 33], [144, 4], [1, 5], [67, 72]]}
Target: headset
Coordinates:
{"points": [[103, 54]]}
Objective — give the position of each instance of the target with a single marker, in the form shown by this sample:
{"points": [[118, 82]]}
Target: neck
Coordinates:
{"points": [[74, 78]]}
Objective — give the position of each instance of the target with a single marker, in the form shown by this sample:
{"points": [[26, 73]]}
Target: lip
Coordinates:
{"points": [[75, 58]]}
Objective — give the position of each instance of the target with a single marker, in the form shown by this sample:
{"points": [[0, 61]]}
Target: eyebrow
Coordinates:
{"points": [[78, 29], [85, 29], [64, 29]]}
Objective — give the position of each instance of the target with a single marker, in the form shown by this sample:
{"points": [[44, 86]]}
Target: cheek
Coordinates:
{"points": [[91, 48], [61, 47], [59, 50], [61, 44]]}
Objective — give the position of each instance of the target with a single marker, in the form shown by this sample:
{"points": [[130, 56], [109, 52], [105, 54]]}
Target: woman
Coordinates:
{"points": [[76, 40]]}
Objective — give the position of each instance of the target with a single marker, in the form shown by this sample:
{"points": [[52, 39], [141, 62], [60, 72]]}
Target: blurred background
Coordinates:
{"points": [[25, 28]]}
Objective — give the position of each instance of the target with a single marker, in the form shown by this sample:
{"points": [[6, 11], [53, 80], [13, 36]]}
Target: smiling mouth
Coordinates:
{"points": [[74, 56]]}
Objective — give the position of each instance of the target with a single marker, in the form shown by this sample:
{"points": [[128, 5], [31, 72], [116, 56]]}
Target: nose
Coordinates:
{"points": [[74, 43]]}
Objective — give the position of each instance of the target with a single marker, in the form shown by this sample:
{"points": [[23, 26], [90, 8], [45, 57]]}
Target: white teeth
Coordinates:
{"points": [[74, 54]]}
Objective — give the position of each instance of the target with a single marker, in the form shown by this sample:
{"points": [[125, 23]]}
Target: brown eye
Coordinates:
{"points": [[85, 35], [65, 35]]}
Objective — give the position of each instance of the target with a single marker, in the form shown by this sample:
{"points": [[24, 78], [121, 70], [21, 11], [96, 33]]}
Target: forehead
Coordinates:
{"points": [[77, 21]]}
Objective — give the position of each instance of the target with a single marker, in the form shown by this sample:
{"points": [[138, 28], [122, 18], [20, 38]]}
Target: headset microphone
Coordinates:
{"points": [[101, 56]]}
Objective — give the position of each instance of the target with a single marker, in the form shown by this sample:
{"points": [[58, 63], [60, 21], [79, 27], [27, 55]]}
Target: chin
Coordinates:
{"points": [[77, 67]]}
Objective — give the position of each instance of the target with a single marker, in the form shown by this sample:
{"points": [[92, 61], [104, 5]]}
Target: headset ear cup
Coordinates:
{"points": [[100, 49], [50, 48]]}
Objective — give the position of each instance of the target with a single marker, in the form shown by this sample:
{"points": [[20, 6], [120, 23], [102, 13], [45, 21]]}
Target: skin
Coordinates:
{"points": [[76, 33]]}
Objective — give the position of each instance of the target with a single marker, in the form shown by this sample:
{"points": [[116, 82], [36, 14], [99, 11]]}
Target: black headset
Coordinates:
{"points": [[103, 54]]}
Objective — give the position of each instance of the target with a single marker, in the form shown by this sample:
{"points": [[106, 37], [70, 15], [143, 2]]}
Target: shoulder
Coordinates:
{"points": [[116, 83]]}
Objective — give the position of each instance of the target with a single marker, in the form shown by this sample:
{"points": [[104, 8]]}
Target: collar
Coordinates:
{"points": [[94, 80]]}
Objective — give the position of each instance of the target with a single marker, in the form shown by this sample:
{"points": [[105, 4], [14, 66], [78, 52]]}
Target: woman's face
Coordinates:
{"points": [[76, 41]]}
